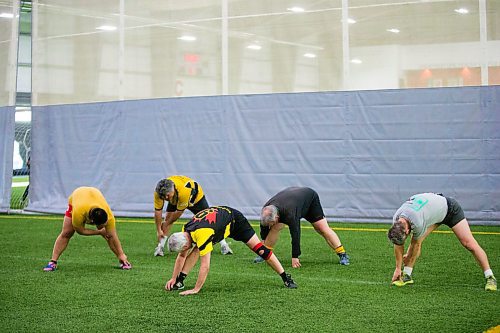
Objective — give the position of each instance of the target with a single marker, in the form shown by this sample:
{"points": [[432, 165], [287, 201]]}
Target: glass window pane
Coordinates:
{"points": [[276, 46]]}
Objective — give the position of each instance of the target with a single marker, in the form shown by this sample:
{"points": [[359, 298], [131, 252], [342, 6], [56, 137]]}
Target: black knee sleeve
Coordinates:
{"points": [[262, 251]]}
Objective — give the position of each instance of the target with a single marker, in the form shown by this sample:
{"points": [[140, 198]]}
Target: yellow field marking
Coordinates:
{"points": [[495, 329], [151, 220]]}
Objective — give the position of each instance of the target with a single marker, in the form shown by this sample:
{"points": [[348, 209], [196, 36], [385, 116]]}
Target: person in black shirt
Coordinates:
{"points": [[196, 241], [288, 207]]}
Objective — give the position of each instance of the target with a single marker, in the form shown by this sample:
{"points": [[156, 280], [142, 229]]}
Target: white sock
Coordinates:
{"points": [[488, 273], [163, 241], [223, 243], [408, 270]]}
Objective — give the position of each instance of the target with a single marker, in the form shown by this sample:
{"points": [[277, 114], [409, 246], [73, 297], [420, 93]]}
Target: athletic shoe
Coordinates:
{"points": [[491, 284], [258, 260], [51, 266], [403, 281], [225, 250], [159, 251], [178, 285], [289, 283], [126, 266], [344, 259]]}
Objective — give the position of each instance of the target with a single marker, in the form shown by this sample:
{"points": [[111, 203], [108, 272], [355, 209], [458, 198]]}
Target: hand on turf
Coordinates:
{"points": [[189, 292], [170, 283], [397, 274], [295, 263]]}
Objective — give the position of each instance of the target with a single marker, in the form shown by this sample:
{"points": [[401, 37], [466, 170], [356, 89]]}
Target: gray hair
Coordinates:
{"points": [[163, 187], [268, 215], [176, 242], [397, 234]]}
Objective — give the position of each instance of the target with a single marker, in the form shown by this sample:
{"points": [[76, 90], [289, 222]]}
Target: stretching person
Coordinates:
{"points": [[87, 205], [288, 207], [181, 193], [198, 236], [422, 214]]}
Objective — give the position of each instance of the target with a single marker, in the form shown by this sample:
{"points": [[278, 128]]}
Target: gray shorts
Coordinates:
{"points": [[455, 213]]}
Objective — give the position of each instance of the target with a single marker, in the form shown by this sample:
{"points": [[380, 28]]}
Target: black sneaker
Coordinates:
{"points": [[178, 285], [289, 283]]}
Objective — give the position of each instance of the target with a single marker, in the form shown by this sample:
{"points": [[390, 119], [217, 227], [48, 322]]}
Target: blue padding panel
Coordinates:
{"points": [[364, 152], [7, 128]]}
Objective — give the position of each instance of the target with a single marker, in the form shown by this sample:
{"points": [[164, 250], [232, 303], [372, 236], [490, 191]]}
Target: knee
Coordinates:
{"points": [[324, 231], [470, 244]]}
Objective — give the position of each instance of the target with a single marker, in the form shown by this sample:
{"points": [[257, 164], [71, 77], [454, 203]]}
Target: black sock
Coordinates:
{"points": [[181, 277], [54, 261], [283, 276]]}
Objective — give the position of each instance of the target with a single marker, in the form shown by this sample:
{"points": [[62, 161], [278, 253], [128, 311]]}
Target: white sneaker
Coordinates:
{"points": [[225, 249], [159, 251]]}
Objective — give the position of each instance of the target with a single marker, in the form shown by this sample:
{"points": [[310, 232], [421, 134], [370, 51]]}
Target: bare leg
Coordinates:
{"points": [[464, 235], [273, 235], [63, 239], [328, 234]]}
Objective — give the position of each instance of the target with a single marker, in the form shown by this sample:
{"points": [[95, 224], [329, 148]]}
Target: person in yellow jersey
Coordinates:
{"points": [[87, 206], [196, 242], [181, 193]]}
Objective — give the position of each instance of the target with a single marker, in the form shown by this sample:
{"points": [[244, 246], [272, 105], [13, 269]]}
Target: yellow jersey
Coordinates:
{"points": [[82, 200], [210, 226], [187, 193]]}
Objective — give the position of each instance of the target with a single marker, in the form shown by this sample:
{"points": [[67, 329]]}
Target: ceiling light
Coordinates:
{"points": [[356, 61], [351, 21], [254, 47], [309, 55], [296, 9], [6, 15], [462, 11], [187, 38], [106, 28], [393, 30]]}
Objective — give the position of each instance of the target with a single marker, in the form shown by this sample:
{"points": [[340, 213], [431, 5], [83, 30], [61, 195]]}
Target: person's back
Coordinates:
{"points": [[423, 210], [292, 202], [83, 199]]}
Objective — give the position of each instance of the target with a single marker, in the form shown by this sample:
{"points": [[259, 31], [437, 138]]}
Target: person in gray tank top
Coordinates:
{"points": [[422, 214]]}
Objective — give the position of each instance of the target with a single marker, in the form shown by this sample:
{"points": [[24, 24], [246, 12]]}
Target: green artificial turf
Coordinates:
{"points": [[16, 201], [89, 294]]}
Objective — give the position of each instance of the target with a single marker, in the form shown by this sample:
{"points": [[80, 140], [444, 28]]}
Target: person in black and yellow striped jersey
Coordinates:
{"points": [[181, 193]]}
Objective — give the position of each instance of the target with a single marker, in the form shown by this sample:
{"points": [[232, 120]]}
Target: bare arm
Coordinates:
{"points": [[81, 230], [202, 275], [170, 218], [398, 254], [114, 244], [179, 263], [158, 218], [413, 252]]}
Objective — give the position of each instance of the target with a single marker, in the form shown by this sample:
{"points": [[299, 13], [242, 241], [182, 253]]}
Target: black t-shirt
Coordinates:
{"points": [[293, 203]]}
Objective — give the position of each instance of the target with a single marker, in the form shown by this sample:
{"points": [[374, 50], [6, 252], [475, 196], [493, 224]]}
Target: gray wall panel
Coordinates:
{"points": [[7, 128], [364, 152]]}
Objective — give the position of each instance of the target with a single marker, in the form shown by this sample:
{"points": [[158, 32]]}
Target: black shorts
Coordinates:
{"points": [[454, 214], [196, 208], [240, 230], [315, 212]]}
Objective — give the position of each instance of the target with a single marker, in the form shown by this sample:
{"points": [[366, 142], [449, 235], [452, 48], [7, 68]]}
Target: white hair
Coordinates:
{"points": [[177, 241], [268, 215]]}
